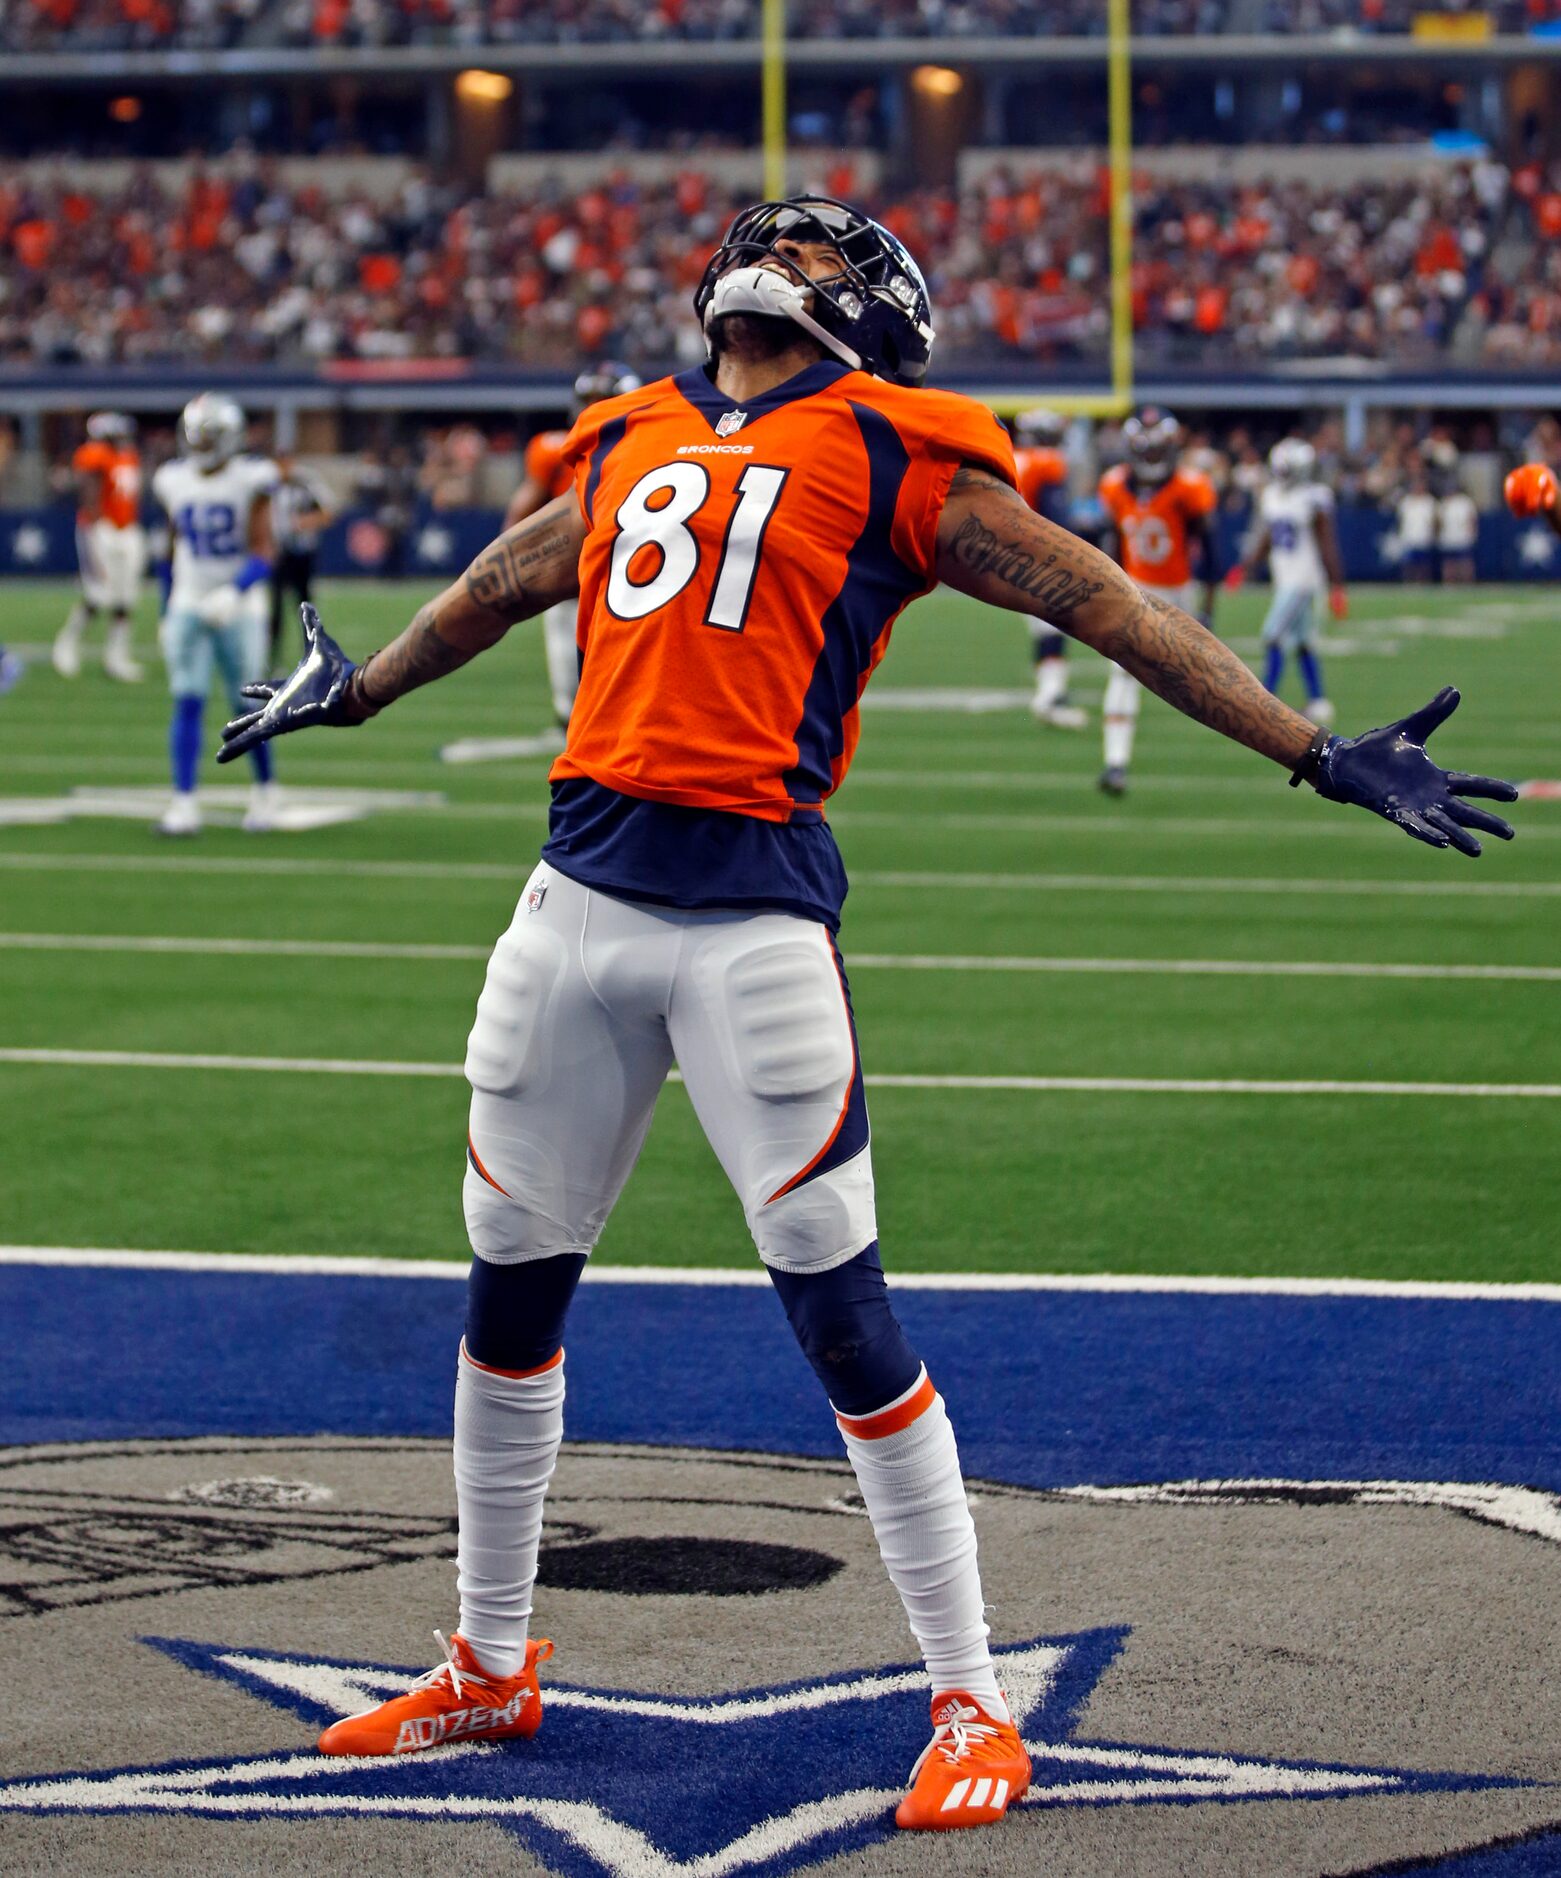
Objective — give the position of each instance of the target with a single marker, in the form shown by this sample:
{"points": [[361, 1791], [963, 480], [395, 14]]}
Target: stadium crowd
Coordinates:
{"points": [[102, 25], [250, 268]]}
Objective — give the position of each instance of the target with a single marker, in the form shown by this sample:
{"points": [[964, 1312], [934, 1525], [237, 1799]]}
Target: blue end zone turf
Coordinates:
{"points": [[1047, 1388]]}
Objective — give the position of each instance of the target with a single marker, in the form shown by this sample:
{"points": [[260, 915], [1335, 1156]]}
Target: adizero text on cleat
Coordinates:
{"points": [[457, 1701], [969, 1773]]}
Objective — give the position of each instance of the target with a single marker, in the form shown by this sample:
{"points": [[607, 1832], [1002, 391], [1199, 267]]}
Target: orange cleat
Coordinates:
{"points": [[458, 1701], [970, 1772]]}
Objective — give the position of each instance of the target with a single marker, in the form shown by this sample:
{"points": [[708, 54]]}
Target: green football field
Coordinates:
{"points": [[1007, 925]]}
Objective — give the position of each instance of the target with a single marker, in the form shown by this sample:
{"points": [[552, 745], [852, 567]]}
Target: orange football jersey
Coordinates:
{"points": [[116, 495], [545, 462], [1152, 522], [742, 572], [1040, 468]]}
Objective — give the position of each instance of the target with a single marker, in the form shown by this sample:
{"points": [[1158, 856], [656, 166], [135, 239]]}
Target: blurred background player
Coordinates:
{"points": [[1457, 533], [1297, 538], [546, 478], [1160, 517], [1416, 519], [1533, 489], [300, 510], [218, 503], [1043, 482], [110, 545]]}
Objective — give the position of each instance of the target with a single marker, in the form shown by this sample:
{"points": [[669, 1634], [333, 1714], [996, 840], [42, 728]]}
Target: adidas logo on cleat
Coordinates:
{"points": [[976, 1793]]}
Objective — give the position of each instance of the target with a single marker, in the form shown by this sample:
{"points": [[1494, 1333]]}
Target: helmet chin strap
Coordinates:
{"points": [[774, 295]]}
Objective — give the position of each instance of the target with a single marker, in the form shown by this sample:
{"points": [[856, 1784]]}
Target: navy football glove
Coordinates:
{"points": [[1388, 772], [315, 692]]}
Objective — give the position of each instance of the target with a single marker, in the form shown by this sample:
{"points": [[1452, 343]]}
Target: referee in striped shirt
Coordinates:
{"points": [[300, 511]]}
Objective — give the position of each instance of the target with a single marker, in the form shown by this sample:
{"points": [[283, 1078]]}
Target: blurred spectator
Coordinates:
{"points": [[387, 487], [1416, 519], [1457, 530]]}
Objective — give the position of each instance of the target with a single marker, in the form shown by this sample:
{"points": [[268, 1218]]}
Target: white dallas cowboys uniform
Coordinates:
{"points": [[209, 511], [1295, 564]]}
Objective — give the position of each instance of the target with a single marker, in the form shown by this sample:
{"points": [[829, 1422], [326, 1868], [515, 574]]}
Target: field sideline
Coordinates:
{"points": [[1008, 926]]}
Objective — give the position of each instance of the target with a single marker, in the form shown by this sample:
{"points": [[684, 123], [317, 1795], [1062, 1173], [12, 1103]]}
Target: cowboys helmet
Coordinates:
{"points": [[211, 430], [874, 314], [606, 379], [110, 427], [1152, 437], [1292, 460], [1040, 427]]}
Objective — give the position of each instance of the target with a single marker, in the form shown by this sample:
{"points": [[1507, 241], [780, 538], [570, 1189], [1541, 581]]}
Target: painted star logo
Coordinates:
{"points": [[435, 545], [629, 1785], [1536, 547], [29, 545]]}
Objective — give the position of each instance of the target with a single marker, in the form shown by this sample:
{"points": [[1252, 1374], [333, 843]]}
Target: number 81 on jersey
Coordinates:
{"points": [[643, 521]]}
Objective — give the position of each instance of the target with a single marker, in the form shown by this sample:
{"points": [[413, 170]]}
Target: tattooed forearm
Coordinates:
{"points": [[1049, 584], [520, 573], [993, 546], [1186, 665], [525, 570]]}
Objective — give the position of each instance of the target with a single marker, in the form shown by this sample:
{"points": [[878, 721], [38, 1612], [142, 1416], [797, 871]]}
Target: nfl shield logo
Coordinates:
{"points": [[730, 421], [535, 896]]}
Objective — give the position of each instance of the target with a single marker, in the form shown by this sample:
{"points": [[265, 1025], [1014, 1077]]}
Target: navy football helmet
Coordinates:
{"points": [[605, 379], [1153, 439], [874, 314]]}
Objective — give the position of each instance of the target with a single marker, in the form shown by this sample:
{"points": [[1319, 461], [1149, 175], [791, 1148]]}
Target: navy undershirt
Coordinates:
{"points": [[674, 856]]}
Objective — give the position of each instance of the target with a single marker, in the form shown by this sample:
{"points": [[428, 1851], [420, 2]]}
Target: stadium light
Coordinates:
{"points": [[476, 87], [937, 81]]}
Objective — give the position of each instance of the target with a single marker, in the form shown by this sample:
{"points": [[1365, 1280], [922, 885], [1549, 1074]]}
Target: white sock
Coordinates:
{"points": [[75, 625], [908, 1472], [507, 1432], [1119, 717], [1118, 741], [1051, 681]]}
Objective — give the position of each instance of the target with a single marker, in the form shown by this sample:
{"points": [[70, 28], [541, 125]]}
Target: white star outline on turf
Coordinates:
{"points": [[764, 1780]]}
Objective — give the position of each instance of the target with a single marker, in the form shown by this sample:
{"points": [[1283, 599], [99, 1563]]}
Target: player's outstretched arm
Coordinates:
{"points": [[520, 574], [991, 546]]}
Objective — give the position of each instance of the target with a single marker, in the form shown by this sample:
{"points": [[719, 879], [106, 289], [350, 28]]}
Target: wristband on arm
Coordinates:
{"points": [[254, 570]]}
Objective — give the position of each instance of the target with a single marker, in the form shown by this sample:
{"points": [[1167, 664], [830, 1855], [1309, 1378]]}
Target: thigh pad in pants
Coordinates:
{"points": [[762, 1026], [564, 1082]]}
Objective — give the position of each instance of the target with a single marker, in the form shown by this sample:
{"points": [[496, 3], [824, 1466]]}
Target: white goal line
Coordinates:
{"points": [[857, 961], [316, 1265], [1030, 1085]]}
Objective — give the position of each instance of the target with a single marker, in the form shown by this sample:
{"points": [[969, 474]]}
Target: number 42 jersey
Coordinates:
{"points": [[209, 514], [743, 570]]}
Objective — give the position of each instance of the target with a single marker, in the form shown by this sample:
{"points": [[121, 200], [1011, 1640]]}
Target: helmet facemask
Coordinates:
{"points": [[872, 313]]}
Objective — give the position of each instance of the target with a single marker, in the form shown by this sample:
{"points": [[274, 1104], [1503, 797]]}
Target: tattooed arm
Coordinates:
{"points": [[526, 570], [995, 548]]}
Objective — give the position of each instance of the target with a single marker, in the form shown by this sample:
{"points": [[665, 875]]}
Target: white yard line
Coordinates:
{"points": [[858, 961], [1024, 1085], [517, 871], [324, 1266]]}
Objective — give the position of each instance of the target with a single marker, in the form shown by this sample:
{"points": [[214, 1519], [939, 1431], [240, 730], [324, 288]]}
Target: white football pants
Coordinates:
{"points": [[588, 1001], [563, 656]]}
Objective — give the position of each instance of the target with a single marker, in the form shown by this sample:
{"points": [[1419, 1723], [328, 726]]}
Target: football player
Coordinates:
{"points": [[110, 545], [1043, 482], [546, 478], [1296, 536], [1533, 489], [218, 504], [1160, 517], [742, 538]]}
